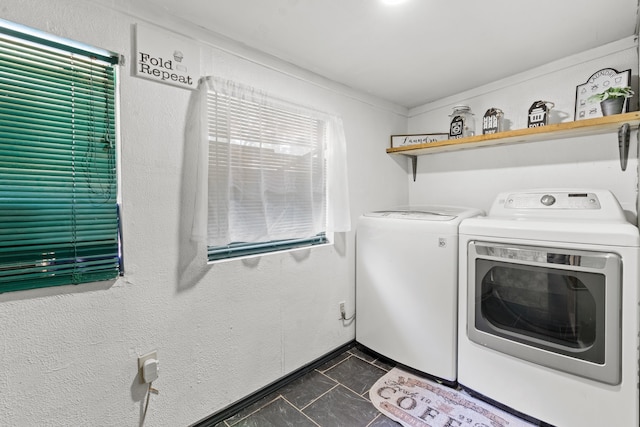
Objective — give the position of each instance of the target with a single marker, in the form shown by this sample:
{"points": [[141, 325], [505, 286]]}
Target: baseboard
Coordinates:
{"points": [[249, 400]]}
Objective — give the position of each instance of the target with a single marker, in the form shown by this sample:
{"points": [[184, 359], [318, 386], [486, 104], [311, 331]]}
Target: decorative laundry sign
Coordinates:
{"points": [[166, 58]]}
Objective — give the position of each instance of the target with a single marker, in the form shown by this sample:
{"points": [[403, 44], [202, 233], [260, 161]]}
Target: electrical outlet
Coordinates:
{"points": [[343, 313], [153, 355]]}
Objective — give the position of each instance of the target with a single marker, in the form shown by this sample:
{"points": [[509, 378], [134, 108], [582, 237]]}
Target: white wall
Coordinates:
{"points": [[69, 354], [473, 177]]}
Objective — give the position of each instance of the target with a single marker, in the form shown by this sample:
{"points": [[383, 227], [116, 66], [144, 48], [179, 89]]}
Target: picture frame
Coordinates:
{"points": [[415, 139], [598, 82]]}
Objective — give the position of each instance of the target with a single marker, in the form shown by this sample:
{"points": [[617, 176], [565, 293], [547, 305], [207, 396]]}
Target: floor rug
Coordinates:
{"points": [[417, 402]]}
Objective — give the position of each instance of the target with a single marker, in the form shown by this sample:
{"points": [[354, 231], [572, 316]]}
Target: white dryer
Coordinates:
{"points": [[549, 307], [406, 286]]}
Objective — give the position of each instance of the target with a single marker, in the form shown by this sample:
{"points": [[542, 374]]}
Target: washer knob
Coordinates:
{"points": [[547, 200]]}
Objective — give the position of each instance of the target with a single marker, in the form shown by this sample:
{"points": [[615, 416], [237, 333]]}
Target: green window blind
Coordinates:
{"points": [[58, 185]]}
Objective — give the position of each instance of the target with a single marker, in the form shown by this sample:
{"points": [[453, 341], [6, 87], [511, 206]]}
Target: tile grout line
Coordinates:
{"points": [[380, 415], [314, 400], [371, 363], [279, 395], [338, 383], [356, 393], [253, 412], [300, 410], [359, 355]]}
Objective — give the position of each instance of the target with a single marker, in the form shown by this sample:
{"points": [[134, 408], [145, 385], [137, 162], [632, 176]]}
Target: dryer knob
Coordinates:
{"points": [[548, 200]]}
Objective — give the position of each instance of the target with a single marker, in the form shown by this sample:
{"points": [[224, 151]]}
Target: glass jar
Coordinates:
{"points": [[463, 122]]}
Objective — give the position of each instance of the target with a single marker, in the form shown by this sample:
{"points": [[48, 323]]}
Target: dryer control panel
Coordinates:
{"points": [[566, 204], [552, 200]]}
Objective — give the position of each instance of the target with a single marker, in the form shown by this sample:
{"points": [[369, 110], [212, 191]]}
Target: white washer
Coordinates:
{"points": [[548, 307], [406, 286]]}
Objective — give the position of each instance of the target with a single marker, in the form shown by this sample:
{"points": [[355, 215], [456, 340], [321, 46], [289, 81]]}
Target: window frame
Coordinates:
{"points": [[241, 249], [22, 271]]}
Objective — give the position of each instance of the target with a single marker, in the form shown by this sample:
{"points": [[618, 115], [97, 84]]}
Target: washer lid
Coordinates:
{"points": [[412, 214]]}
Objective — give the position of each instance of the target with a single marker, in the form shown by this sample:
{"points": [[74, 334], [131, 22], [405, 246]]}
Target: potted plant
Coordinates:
{"points": [[612, 100]]}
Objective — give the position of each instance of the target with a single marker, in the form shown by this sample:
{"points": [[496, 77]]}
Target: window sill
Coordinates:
{"points": [[329, 242]]}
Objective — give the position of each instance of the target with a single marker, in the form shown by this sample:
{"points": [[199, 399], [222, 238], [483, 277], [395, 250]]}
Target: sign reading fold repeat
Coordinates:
{"points": [[166, 58]]}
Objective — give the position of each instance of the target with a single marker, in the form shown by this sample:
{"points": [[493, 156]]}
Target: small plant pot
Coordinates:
{"points": [[612, 106]]}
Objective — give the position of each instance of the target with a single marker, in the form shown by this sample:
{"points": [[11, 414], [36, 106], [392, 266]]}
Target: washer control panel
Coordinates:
{"points": [[552, 200]]}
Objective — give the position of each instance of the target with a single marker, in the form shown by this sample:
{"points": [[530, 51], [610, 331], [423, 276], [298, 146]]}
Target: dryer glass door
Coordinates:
{"points": [[553, 307]]}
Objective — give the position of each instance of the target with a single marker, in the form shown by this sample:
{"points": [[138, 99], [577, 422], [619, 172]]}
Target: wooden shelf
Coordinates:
{"points": [[578, 128]]}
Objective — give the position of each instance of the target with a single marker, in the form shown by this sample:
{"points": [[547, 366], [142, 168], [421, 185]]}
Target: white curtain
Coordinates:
{"points": [[339, 213], [266, 175]]}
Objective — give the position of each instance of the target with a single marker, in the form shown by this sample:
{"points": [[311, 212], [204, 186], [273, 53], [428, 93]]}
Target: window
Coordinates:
{"points": [[58, 186], [268, 172]]}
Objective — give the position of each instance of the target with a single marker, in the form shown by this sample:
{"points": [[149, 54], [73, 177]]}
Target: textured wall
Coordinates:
{"points": [[68, 356], [474, 177]]}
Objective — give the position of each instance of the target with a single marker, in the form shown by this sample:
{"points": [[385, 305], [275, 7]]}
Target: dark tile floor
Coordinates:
{"points": [[335, 394]]}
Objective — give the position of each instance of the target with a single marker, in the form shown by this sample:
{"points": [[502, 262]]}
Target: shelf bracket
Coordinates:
{"points": [[623, 145], [414, 166]]}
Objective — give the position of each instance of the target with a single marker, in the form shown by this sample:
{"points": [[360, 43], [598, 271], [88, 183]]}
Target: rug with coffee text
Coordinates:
{"points": [[417, 402]]}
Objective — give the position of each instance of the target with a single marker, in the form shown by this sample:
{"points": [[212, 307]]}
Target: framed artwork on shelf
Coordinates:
{"points": [[426, 138], [598, 82]]}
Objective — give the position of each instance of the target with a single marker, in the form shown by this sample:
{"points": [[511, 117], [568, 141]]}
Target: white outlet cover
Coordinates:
{"points": [[150, 355]]}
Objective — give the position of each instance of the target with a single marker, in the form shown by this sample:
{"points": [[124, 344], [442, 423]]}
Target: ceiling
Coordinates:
{"points": [[418, 51]]}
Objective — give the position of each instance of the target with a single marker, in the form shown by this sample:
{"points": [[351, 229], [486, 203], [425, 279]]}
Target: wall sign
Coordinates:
{"points": [[404, 140], [598, 82], [166, 57]]}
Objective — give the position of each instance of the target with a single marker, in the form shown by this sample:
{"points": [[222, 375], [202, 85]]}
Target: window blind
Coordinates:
{"points": [[267, 186], [58, 186]]}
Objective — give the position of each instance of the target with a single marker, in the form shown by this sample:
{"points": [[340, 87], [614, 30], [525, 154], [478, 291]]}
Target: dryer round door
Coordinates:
{"points": [[554, 307]]}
